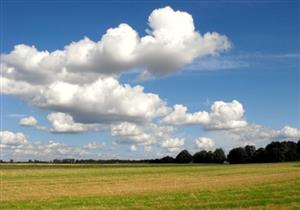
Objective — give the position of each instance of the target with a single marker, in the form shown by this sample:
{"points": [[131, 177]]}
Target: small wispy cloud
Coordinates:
{"points": [[217, 63], [16, 115], [243, 60]]}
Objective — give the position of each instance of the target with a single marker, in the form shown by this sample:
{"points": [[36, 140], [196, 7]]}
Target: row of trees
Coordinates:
{"points": [[273, 152]]}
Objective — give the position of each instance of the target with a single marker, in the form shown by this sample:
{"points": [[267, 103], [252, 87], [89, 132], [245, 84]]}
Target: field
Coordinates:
{"points": [[142, 186]]}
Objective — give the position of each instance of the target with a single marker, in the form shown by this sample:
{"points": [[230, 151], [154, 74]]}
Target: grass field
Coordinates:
{"points": [[249, 186]]}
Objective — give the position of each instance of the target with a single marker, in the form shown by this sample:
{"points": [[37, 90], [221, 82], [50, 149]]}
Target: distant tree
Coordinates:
{"points": [[290, 150], [210, 157], [203, 157], [298, 149], [68, 160], [259, 156], [237, 155], [200, 157], [167, 159], [184, 157], [250, 150], [275, 152], [219, 156]]}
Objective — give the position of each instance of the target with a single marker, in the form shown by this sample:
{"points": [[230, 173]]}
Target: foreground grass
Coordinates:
{"points": [[252, 186]]}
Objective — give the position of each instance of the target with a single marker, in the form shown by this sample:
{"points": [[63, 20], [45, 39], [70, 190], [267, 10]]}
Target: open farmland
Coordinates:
{"points": [[146, 186]]}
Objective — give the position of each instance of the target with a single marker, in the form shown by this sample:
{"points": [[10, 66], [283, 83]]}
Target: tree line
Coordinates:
{"points": [[273, 152]]}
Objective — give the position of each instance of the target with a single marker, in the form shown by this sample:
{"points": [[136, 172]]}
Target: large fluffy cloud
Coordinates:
{"points": [[223, 115], [172, 42], [104, 100], [64, 123]]}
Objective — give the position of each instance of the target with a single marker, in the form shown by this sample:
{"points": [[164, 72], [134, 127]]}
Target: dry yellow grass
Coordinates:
{"points": [[41, 184]]}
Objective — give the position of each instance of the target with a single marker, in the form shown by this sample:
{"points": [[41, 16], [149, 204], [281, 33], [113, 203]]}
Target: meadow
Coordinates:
{"points": [[150, 186]]}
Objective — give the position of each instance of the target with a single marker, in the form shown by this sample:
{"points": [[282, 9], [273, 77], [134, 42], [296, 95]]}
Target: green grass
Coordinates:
{"points": [[146, 186]]}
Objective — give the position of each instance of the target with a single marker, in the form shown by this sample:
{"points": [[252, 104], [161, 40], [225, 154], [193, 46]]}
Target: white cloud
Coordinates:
{"points": [[289, 132], [144, 134], [173, 144], [179, 116], [254, 133], [15, 145], [103, 101], [133, 148], [223, 115], [93, 145], [28, 121], [212, 63], [46, 151], [8, 138], [205, 143], [226, 115], [64, 123], [172, 42]]}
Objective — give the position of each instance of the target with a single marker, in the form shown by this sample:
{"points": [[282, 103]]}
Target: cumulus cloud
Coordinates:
{"points": [[102, 101], [144, 134], [64, 123], [28, 121], [173, 144], [289, 132], [205, 143], [172, 42], [179, 116], [8, 138], [223, 115], [254, 133]]}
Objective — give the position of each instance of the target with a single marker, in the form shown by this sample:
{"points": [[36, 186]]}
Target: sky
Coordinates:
{"points": [[145, 79]]}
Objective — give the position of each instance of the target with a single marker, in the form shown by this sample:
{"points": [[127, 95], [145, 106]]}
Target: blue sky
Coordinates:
{"points": [[260, 70]]}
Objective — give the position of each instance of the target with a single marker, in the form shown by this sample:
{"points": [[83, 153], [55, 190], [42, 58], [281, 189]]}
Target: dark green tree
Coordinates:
{"points": [[184, 157], [167, 159], [298, 149], [237, 155], [219, 156], [259, 156], [250, 150], [275, 152]]}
